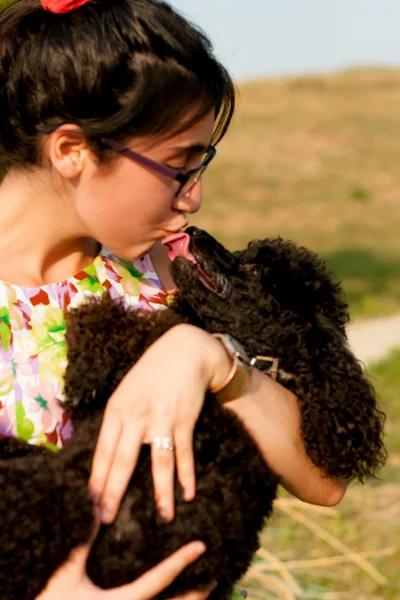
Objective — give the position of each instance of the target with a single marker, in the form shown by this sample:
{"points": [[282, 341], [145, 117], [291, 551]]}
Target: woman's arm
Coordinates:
{"points": [[271, 414], [163, 395]]}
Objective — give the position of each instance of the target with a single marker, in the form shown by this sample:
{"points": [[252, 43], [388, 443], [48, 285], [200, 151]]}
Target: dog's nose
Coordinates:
{"points": [[194, 231]]}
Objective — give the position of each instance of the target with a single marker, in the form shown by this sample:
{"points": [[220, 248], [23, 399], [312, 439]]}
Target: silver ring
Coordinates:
{"points": [[165, 443]]}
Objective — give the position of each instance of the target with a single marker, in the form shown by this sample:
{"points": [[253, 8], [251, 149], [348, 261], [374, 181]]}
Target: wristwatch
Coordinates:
{"points": [[239, 377]]}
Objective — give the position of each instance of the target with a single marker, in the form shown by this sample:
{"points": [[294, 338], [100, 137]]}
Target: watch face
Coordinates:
{"points": [[235, 347], [239, 348]]}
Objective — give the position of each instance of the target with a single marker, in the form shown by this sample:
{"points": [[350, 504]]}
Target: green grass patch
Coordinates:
{"points": [[306, 543], [371, 282]]}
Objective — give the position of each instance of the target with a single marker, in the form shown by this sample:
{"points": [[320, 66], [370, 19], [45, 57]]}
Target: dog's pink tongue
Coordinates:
{"points": [[178, 245]]}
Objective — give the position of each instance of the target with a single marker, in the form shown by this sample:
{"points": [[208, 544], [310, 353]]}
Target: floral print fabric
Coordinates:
{"points": [[33, 348]]}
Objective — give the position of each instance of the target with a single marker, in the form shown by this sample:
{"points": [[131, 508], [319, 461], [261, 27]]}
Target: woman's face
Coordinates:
{"points": [[127, 207]]}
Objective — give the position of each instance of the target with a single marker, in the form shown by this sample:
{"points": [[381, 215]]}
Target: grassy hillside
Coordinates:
{"points": [[317, 159], [351, 552]]}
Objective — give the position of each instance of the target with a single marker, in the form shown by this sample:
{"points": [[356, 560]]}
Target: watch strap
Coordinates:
{"points": [[237, 381]]}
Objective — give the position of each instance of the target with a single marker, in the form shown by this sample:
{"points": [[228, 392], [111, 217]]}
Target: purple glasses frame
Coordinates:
{"points": [[187, 180]]}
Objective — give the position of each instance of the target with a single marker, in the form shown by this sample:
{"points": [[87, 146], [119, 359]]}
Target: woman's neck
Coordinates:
{"points": [[161, 264], [38, 244]]}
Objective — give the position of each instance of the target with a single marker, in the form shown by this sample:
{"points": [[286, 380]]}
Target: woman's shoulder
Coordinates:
{"points": [[137, 281]]}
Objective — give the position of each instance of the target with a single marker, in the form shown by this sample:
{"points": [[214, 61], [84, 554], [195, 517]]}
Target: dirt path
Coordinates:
{"points": [[373, 339]]}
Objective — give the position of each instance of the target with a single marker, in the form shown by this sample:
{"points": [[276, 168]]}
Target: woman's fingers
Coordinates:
{"points": [[165, 450], [160, 577], [116, 456], [120, 472], [163, 472], [185, 462], [151, 406], [104, 452]]}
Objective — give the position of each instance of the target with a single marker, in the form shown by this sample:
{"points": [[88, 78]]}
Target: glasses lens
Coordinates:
{"points": [[197, 173], [191, 182]]}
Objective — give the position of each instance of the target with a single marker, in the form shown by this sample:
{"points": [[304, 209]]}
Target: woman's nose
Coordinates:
{"points": [[191, 201]]}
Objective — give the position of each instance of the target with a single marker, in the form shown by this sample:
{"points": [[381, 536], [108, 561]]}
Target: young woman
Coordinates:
{"points": [[109, 115]]}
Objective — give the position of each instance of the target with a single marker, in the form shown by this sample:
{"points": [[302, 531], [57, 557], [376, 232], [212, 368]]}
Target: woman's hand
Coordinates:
{"points": [[71, 580], [161, 396]]}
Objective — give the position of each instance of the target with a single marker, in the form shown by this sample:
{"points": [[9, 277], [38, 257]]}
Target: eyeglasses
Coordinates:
{"points": [[186, 179]]}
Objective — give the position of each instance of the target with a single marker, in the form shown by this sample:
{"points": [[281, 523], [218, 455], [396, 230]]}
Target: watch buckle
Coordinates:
{"points": [[274, 367]]}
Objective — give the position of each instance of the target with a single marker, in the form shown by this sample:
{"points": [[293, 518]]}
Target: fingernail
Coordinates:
{"points": [[106, 515], [165, 515], [188, 494], [199, 547]]}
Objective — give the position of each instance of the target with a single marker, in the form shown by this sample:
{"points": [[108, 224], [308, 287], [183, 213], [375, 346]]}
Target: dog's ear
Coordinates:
{"points": [[296, 277], [342, 423]]}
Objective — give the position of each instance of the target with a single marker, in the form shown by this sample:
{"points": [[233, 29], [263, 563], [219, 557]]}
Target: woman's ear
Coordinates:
{"points": [[68, 150]]}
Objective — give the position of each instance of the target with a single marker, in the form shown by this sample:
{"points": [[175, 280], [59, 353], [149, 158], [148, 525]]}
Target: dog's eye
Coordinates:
{"points": [[254, 269]]}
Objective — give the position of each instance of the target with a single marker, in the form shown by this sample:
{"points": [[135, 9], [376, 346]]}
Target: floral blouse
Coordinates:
{"points": [[33, 348]]}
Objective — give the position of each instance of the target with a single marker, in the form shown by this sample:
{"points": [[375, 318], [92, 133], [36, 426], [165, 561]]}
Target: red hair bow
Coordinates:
{"points": [[60, 7]]}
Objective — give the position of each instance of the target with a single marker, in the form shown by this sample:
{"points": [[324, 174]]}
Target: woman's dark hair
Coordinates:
{"points": [[118, 69]]}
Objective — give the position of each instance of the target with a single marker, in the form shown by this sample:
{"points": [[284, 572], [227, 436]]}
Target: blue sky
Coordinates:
{"points": [[269, 37]]}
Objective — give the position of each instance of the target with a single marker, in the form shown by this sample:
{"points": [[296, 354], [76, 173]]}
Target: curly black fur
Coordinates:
{"points": [[278, 300]]}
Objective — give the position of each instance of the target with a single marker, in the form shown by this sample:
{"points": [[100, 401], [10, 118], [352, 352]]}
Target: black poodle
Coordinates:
{"points": [[278, 300]]}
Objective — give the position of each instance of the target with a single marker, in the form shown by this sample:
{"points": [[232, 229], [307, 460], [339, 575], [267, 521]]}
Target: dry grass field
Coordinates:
{"points": [[317, 160]]}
